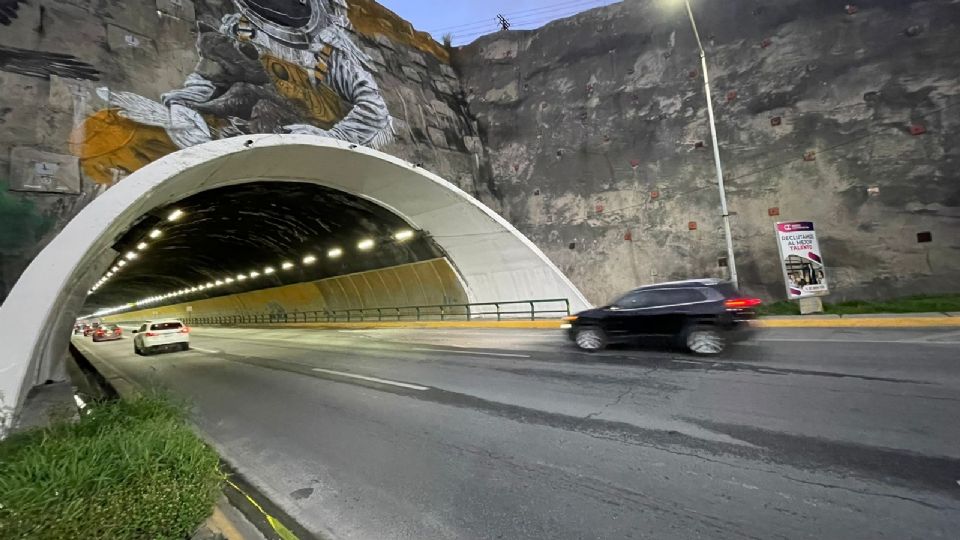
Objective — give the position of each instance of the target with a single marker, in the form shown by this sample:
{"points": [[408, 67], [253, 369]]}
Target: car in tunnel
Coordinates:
{"points": [[701, 315], [154, 336], [107, 332]]}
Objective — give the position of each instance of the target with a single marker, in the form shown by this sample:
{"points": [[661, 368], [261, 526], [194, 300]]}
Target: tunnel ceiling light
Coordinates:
{"points": [[366, 244], [287, 265], [404, 235], [209, 285], [334, 253], [268, 270], [309, 259], [193, 289], [142, 246], [218, 283], [228, 280], [175, 215], [254, 274], [115, 268], [155, 233], [241, 277], [131, 255], [109, 274], [122, 263]]}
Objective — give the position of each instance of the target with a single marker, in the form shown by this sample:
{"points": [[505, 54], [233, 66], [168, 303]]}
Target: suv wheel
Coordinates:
{"points": [[590, 338], [705, 340]]}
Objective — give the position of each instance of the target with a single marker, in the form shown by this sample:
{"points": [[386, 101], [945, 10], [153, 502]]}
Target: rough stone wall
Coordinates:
{"points": [[56, 54], [842, 114]]}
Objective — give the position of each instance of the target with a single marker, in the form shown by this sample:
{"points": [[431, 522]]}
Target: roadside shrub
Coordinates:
{"points": [[124, 470]]}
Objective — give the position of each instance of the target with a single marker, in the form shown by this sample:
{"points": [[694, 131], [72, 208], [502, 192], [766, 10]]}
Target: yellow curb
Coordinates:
{"points": [[876, 322], [283, 532], [221, 524], [545, 324], [864, 322]]}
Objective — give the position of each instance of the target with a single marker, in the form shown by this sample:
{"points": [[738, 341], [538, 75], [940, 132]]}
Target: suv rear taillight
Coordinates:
{"points": [[742, 303], [185, 330], [152, 334]]}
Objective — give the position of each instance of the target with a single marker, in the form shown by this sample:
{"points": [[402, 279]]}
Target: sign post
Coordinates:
{"points": [[803, 272]]}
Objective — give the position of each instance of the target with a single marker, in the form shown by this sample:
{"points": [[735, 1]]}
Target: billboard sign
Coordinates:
{"points": [[800, 259]]}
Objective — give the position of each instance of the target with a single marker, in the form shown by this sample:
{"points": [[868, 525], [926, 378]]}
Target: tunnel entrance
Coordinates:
{"points": [[268, 236], [493, 261]]}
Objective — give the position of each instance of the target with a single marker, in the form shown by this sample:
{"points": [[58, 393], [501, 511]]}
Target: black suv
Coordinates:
{"points": [[702, 315]]}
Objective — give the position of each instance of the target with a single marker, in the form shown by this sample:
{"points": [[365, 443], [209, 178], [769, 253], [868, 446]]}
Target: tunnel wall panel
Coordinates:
{"points": [[436, 283]]}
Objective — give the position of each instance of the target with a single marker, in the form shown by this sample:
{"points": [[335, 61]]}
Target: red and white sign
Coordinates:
{"points": [[800, 258]]}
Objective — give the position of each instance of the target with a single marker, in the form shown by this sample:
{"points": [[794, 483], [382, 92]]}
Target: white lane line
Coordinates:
{"points": [[208, 351], [372, 379], [474, 352]]}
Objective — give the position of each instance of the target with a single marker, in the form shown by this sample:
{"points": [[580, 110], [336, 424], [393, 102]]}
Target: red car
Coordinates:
{"points": [[88, 329], [108, 332]]}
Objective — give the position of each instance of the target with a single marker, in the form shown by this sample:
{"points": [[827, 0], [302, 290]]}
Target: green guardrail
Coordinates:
{"points": [[514, 310]]}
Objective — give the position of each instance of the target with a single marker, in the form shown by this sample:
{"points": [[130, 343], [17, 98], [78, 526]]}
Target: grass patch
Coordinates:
{"points": [[908, 304], [125, 469]]}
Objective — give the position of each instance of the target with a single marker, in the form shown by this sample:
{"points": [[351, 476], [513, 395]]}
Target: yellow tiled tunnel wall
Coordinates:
{"points": [[429, 282]]}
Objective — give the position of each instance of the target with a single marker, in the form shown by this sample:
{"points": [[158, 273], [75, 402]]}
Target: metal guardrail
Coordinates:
{"points": [[532, 309]]}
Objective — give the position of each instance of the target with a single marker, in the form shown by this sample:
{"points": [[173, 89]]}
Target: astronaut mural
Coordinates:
{"points": [[272, 66]]}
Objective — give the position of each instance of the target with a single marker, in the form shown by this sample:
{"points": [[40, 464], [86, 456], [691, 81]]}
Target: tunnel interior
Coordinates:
{"points": [[251, 236]]}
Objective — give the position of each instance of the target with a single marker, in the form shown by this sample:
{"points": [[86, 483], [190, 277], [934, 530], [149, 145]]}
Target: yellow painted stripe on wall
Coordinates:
{"points": [[431, 282]]}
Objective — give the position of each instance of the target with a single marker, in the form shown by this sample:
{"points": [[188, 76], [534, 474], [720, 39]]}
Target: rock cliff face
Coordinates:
{"points": [[597, 131], [589, 134]]}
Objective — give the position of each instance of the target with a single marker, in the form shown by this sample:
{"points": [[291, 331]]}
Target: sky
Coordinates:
{"points": [[472, 18]]}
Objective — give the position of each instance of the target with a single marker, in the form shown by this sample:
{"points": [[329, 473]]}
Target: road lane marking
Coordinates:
{"points": [[208, 351], [473, 352], [372, 379]]}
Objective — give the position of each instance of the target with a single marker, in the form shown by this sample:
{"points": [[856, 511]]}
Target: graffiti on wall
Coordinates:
{"points": [[271, 66], [44, 64]]}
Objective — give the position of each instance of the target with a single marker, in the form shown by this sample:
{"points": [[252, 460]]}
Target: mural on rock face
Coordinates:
{"points": [[272, 66]]}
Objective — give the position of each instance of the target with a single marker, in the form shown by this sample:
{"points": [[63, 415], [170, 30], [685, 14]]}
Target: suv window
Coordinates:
{"points": [[166, 326], [684, 296], [630, 300], [642, 299], [660, 297]]}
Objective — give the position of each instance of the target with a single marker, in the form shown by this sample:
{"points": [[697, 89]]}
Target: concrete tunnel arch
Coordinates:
{"points": [[494, 260]]}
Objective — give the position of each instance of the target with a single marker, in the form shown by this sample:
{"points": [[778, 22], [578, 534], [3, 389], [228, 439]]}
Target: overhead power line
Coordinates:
{"points": [[519, 24], [527, 22], [512, 14]]}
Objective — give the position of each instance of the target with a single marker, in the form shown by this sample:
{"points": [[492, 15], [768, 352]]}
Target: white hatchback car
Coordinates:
{"points": [[155, 335]]}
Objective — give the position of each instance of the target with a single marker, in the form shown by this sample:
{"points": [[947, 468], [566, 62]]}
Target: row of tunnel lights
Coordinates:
{"points": [[334, 253], [175, 215]]}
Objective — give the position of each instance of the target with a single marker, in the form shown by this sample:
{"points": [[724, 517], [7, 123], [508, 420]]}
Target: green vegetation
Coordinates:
{"points": [[909, 304], [125, 469], [21, 224]]}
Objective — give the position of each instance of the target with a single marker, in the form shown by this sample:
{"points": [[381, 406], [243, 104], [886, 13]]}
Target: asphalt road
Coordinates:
{"points": [[417, 434]]}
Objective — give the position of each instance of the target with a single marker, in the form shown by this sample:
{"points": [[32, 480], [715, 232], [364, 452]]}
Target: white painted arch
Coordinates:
{"points": [[495, 261]]}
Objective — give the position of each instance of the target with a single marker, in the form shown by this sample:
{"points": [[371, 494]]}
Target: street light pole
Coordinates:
{"points": [[731, 262]]}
